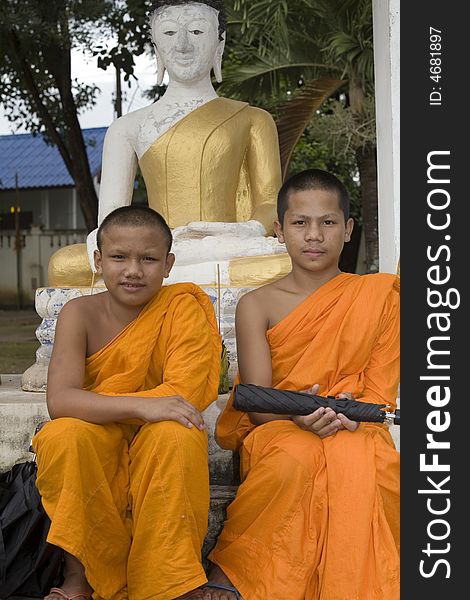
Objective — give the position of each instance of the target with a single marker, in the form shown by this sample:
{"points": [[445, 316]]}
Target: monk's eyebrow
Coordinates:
{"points": [[306, 217], [333, 214], [297, 216]]}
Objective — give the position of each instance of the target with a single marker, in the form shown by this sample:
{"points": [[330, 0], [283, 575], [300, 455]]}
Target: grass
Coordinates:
{"points": [[16, 357], [18, 343]]}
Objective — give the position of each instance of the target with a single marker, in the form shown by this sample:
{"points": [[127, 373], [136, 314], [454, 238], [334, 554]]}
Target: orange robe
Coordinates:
{"points": [[131, 503], [318, 519]]}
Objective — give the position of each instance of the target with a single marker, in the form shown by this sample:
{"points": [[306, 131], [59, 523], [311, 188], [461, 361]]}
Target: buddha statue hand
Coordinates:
{"points": [[91, 246], [202, 229]]}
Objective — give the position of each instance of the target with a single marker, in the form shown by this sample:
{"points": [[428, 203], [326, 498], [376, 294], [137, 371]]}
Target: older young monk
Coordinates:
{"points": [[317, 514], [122, 465]]}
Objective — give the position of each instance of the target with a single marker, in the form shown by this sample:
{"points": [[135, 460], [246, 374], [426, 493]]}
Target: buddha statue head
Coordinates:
{"points": [[189, 39]]}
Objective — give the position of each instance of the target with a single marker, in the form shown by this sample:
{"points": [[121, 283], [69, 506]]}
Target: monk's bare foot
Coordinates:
{"points": [[74, 581], [216, 575]]}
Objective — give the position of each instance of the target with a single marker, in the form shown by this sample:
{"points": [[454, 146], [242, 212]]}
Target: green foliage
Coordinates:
{"points": [[224, 380], [127, 21], [281, 44], [283, 51], [36, 85], [36, 39], [35, 43], [341, 129]]}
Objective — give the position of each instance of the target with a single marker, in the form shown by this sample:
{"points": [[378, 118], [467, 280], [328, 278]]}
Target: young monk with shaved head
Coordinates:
{"points": [[122, 465], [317, 514]]}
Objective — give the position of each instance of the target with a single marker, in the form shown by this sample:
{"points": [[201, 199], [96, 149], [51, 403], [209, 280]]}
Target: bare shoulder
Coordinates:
{"points": [[81, 313], [258, 302], [252, 299]]}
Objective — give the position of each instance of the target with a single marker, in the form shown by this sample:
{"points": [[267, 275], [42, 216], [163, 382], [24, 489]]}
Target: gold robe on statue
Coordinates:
{"points": [[131, 503], [318, 519], [219, 163]]}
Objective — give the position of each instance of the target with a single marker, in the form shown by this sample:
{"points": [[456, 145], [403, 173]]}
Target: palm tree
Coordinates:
{"points": [[290, 56]]}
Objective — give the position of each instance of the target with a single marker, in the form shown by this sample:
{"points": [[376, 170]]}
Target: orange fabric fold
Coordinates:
{"points": [[319, 519], [172, 348], [131, 503]]}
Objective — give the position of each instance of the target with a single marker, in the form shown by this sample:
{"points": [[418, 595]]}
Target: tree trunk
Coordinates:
{"points": [[350, 253], [81, 173], [59, 59], [367, 163], [71, 145]]}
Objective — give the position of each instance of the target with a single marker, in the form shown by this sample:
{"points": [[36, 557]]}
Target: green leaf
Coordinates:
{"points": [[297, 113]]}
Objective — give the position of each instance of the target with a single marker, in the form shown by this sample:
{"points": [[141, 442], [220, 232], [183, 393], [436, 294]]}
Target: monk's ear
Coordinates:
{"points": [[278, 231], [349, 230], [97, 261], [170, 261]]}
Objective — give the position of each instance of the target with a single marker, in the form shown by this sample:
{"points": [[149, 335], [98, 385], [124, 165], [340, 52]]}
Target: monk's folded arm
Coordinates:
{"points": [[99, 408], [189, 356]]}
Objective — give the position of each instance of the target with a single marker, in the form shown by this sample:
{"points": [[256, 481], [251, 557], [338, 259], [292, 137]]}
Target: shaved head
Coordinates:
{"points": [[312, 179], [135, 216]]}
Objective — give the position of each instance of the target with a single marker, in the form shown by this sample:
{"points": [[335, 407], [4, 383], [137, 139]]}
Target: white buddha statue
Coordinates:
{"points": [[211, 165]]}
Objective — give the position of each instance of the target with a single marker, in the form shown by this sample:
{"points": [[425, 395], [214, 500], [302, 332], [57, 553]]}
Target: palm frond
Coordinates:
{"points": [[297, 113]]}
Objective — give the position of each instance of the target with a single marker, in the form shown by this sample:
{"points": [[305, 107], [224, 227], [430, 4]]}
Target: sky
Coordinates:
{"points": [[102, 114]]}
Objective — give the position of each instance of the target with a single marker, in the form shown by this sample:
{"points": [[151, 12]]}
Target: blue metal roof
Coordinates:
{"points": [[40, 165]]}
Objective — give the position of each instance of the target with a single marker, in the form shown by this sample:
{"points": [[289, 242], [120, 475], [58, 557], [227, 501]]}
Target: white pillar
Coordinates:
{"points": [[386, 14]]}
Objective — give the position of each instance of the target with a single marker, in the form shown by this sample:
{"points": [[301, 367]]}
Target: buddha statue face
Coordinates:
{"points": [[187, 41]]}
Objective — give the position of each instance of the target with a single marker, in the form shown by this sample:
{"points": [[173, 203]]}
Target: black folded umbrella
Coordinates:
{"points": [[254, 398]]}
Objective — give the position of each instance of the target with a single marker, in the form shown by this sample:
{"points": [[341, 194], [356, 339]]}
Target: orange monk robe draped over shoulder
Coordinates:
{"points": [[319, 519], [132, 503], [165, 352]]}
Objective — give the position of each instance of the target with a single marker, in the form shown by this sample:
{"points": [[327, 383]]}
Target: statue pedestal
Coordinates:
{"points": [[49, 302]]}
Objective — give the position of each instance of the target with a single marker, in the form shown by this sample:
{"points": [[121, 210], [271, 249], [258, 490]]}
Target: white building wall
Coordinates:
{"points": [[38, 248]]}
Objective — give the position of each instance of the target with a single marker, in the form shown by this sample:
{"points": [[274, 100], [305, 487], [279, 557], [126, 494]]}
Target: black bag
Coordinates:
{"points": [[29, 566]]}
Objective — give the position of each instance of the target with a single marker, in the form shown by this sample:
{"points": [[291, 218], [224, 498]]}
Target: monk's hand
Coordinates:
{"points": [[173, 408], [323, 422], [345, 422]]}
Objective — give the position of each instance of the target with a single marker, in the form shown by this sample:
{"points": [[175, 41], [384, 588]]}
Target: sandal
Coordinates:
{"points": [[220, 586], [60, 592]]}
